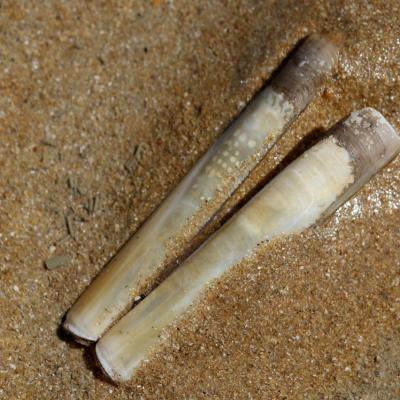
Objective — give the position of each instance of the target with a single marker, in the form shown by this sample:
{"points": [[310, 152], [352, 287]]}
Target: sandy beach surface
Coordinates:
{"points": [[82, 83]]}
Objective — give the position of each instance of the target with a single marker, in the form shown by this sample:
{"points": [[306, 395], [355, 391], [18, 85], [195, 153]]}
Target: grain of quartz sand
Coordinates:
{"points": [[317, 317]]}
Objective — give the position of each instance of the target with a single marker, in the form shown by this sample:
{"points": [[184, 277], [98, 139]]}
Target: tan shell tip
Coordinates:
{"points": [[321, 50], [78, 335], [105, 365], [370, 139]]}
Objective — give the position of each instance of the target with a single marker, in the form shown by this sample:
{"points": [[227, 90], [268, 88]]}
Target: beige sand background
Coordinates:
{"points": [[82, 83]]}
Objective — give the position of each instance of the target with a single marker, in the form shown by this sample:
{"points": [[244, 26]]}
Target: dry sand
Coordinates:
{"points": [[311, 317]]}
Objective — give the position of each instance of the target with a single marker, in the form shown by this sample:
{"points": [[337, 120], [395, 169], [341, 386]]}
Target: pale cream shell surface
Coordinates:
{"points": [[291, 202]]}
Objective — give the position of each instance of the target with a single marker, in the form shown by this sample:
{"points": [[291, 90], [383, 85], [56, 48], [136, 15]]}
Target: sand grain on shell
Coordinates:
{"points": [[314, 317]]}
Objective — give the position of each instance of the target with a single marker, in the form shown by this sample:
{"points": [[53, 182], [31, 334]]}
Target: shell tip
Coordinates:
{"points": [[327, 45], [105, 366], [371, 141], [78, 335]]}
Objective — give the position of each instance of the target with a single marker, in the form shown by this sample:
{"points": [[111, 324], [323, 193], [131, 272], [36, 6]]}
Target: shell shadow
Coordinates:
{"points": [[89, 355]]}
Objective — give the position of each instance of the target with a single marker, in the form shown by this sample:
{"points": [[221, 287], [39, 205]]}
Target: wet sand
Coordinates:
{"points": [[315, 316]]}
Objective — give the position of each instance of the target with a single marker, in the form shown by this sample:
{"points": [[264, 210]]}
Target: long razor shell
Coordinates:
{"points": [[312, 186], [203, 191]]}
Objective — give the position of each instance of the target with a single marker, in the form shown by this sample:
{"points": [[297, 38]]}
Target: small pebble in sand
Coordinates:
{"points": [[58, 261]]}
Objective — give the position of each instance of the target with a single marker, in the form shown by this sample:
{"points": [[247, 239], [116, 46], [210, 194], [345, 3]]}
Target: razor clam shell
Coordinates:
{"points": [[204, 190], [317, 182]]}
